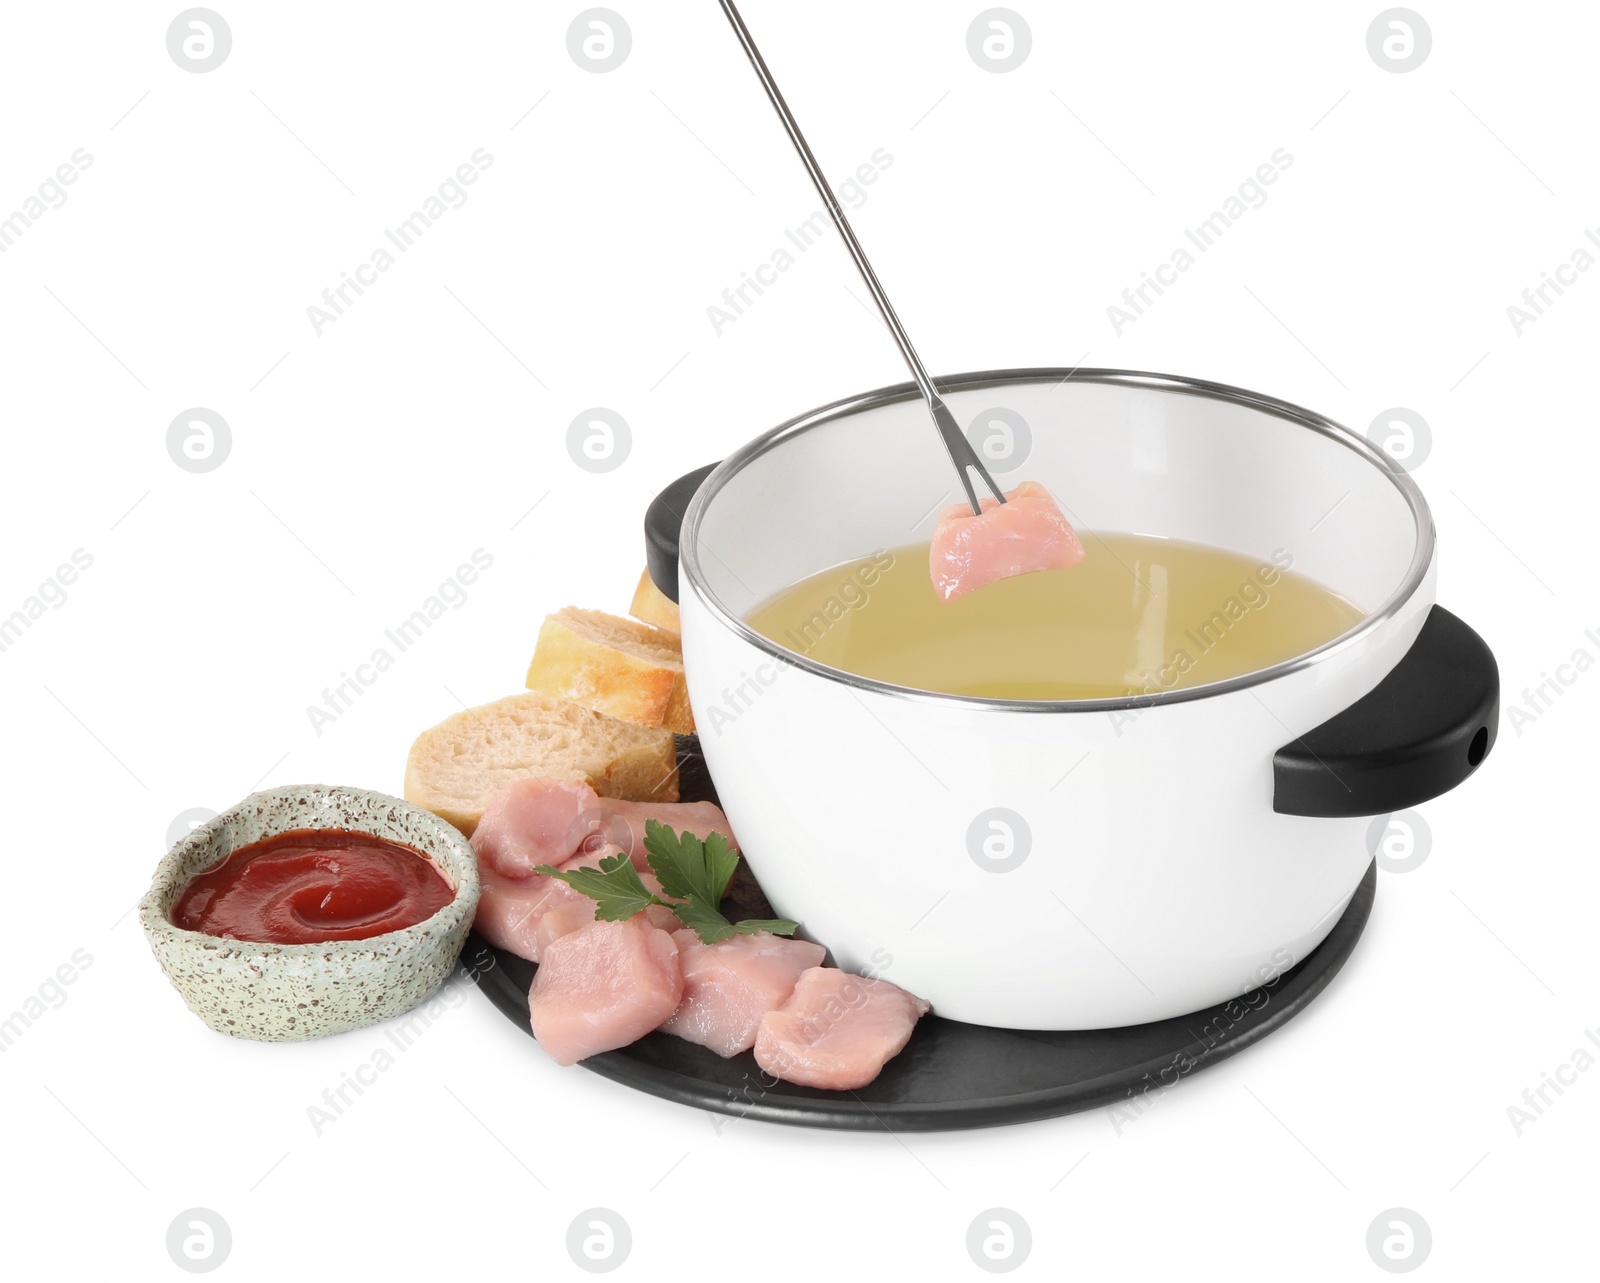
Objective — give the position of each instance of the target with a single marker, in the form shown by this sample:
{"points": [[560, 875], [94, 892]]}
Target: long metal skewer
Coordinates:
{"points": [[962, 455]]}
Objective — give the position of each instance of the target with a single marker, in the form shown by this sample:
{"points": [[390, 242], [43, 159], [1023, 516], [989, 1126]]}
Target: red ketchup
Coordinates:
{"points": [[313, 885]]}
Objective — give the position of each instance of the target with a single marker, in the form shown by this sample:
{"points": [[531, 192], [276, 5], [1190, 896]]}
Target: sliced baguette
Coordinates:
{"points": [[455, 768], [653, 606], [615, 665]]}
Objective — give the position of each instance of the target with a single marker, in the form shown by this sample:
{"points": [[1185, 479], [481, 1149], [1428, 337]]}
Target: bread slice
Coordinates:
{"points": [[615, 665], [456, 767], [653, 606]]}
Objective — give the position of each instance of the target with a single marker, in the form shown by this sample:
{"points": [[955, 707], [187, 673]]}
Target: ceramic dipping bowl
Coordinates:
{"points": [[289, 992]]}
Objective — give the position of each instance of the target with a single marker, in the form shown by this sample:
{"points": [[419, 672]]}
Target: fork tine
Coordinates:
{"points": [[962, 454]]}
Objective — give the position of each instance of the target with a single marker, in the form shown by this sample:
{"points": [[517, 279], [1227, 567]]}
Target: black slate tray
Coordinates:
{"points": [[951, 1075]]}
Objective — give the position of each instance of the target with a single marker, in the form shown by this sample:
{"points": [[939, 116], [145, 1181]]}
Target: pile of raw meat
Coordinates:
{"points": [[602, 985]]}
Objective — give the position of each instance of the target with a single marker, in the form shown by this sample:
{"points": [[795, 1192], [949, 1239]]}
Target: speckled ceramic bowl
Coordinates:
{"points": [[286, 992]]}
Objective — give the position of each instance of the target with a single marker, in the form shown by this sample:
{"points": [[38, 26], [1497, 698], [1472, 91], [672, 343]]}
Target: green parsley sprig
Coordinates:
{"points": [[693, 873]]}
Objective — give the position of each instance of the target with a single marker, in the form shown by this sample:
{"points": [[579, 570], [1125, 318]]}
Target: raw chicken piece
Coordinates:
{"points": [[522, 915], [560, 920], [603, 986], [729, 986], [511, 909], [658, 915], [565, 916], [837, 1030], [538, 821], [1026, 533], [700, 818]]}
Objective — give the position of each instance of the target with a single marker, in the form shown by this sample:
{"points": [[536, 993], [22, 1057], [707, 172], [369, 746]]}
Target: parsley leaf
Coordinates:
{"points": [[695, 874], [720, 860], [704, 920], [777, 926], [690, 869], [615, 887]]}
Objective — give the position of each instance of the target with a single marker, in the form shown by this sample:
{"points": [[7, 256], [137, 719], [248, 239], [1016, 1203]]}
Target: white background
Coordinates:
{"points": [[369, 461]]}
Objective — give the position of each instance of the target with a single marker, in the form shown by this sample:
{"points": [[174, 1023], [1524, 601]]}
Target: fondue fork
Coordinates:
{"points": [[962, 455]]}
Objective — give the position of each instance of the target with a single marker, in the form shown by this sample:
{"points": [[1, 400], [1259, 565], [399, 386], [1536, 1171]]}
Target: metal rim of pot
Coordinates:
{"points": [[1294, 415]]}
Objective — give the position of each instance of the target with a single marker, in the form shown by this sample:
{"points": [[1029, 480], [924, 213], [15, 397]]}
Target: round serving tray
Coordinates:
{"points": [[950, 1075]]}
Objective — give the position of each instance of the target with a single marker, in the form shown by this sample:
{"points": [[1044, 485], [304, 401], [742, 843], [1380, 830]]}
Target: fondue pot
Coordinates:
{"points": [[1075, 864]]}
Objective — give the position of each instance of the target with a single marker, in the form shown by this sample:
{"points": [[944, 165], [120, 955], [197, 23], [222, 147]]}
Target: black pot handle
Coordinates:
{"points": [[663, 519], [1421, 731]]}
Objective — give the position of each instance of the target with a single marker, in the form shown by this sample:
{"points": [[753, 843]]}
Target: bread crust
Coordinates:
{"points": [[617, 666], [652, 606]]}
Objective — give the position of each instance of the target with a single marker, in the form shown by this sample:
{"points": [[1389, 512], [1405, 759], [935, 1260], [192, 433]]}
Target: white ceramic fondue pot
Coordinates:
{"points": [[1073, 864]]}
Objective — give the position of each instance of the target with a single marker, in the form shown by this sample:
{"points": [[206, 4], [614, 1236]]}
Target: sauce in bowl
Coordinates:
{"points": [[308, 886]]}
